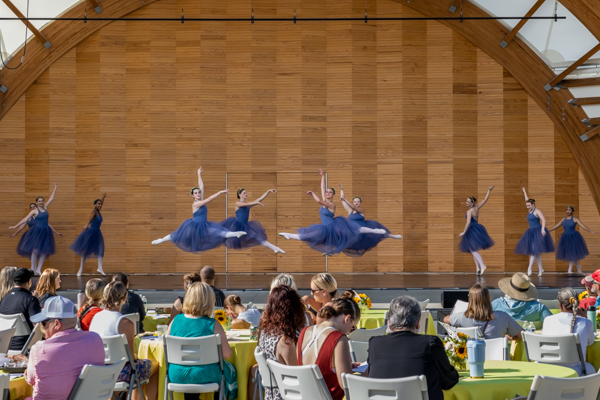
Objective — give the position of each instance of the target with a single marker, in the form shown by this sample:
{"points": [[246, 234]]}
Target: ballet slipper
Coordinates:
{"points": [[285, 235], [483, 268], [279, 251]]}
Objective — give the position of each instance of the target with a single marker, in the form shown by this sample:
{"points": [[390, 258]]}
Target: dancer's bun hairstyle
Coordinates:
{"points": [[239, 191], [194, 188], [532, 201], [96, 201], [40, 197], [572, 208], [332, 189], [473, 199]]}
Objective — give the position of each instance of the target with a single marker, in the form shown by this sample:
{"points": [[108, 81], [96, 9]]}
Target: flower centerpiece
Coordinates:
{"points": [[363, 301], [223, 319], [583, 295], [456, 350]]}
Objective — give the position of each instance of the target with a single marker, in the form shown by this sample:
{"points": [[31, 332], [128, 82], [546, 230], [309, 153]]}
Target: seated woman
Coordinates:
{"points": [[94, 292], [288, 280], [567, 321], [323, 288], [188, 280], [282, 319], [47, 285], [197, 321], [242, 317], [110, 322], [480, 313], [326, 344]]}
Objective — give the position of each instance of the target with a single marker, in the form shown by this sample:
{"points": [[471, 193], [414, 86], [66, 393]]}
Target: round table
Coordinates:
{"points": [[504, 380], [152, 320], [19, 389], [372, 319]]}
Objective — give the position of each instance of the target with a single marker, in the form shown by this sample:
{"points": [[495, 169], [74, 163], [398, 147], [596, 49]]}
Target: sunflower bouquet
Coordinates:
{"points": [[363, 301], [223, 319], [583, 295], [456, 350]]}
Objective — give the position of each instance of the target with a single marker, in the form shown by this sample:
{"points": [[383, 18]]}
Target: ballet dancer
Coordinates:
{"points": [[255, 233], [333, 234], [367, 241], [536, 240], [197, 234], [90, 242], [571, 245], [475, 236], [29, 224], [39, 243]]}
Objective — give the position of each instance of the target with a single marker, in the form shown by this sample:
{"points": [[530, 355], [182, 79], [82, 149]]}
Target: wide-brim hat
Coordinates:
{"points": [[518, 287]]}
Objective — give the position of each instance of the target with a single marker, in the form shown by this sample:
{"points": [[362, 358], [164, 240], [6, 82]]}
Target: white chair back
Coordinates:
{"points": [[17, 321], [135, 318], [361, 388], [423, 304], [192, 350], [363, 335], [424, 321], [267, 379], [359, 351], [551, 304], [35, 336], [96, 382], [556, 349], [5, 338], [4, 386], [115, 349], [472, 332], [299, 383], [496, 349], [548, 388]]}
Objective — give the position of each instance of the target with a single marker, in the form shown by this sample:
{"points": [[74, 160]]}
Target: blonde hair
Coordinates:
{"points": [[480, 305], [325, 281], [233, 300], [7, 280], [94, 290], [47, 282], [114, 293], [283, 279], [199, 300]]}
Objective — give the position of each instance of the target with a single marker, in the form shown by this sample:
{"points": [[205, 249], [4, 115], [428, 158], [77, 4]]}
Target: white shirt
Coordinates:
{"points": [[106, 323], [251, 316]]}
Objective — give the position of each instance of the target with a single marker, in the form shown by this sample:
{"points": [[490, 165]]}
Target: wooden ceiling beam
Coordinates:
{"points": [[589, 134], [567, 83], [32, 28], [556, 80], [584, 101], [513, 32], [591, 121]]}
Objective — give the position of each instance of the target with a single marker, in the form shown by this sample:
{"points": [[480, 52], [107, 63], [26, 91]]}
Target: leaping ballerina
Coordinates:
{"points": [[255, 233], [197, 234], [90, 242], [333, 234], [367, 241], [571, 245]]}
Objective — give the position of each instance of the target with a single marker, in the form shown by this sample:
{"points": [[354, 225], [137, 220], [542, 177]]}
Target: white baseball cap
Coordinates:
{"points": [[56, 307]]}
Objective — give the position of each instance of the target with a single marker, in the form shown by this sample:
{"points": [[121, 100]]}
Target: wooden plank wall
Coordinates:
{"points": [[408, 115]]}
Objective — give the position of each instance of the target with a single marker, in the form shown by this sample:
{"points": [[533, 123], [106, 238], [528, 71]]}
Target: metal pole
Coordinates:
{"points": [[226, 255]]}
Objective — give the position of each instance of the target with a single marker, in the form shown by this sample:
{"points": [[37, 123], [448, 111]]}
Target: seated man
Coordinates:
{"points": [[520, 300], [207, 274], [592, 285], [20, 301], [403, 352], [55, 363], [134, 303]]}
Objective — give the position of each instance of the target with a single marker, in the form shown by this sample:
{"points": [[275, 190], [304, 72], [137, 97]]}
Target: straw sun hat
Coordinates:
{"points": [[519, 287]]}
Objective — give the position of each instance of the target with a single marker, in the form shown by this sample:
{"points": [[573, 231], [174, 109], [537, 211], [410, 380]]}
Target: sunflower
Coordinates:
{"points": [[221, 316], [369, 304], [583, 295], [461, 351], [356, 300], [362, 296], [462, 335]]}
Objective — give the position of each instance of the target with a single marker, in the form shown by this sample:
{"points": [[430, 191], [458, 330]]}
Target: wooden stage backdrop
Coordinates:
{"points": [[408, 115]]}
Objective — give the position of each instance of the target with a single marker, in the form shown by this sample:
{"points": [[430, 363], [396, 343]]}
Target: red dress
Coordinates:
{"points": [[324, 362], [87, 318]]}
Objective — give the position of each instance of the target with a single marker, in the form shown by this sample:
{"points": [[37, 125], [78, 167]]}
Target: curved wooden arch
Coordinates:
{"points": [[522, 62]]}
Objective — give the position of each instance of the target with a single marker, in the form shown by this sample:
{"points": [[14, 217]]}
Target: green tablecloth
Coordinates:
{"points": [[374, 319], [503, 380]]}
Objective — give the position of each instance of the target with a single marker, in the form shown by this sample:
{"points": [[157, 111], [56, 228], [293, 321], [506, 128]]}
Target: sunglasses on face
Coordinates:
{"points": [[313, 291], [44, 323]]}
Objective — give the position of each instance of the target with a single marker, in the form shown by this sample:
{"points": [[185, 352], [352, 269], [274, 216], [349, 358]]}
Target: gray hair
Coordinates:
{"points": [[405, 313], [283, 279]]}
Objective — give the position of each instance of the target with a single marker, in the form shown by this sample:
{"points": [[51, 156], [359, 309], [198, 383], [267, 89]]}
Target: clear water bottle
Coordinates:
{"points": [[531, 327], [145, 301]]}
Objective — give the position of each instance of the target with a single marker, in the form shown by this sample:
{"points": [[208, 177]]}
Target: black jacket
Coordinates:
{"points": [[134, 304], [20, 301]]}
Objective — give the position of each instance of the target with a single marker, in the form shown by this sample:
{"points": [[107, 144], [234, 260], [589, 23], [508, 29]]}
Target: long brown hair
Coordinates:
{"points": [[480, 305], [284, 314], [47, 282]]}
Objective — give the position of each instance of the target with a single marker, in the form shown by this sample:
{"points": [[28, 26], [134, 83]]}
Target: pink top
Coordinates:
{"points": [[55, 364]]}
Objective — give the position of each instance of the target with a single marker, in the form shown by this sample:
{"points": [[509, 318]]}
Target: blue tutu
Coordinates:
{"points": [[332, 235], [475, 238], [90, 242], [197, 234], [255, 233], [39, 239], [366, 241], [533, 243], [23, 238], [571, 245]]}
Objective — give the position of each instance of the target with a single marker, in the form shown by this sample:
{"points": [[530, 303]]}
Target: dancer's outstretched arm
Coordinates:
{"points": [[211, 198], [525, 193], [256, 202], [92, 216], [51, 199], [21, 227], [53, 230], [24, 220], [469, 216], [343, 199], [200, 183], [578, 222], [103, 199], [487, 196], [323, 188], [321, 202], [264, 196], [557, 225]]}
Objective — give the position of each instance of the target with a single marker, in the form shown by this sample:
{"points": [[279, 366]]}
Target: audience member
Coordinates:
{"points": [[567, 321], [520, 300], [283, 279], [7, 280], [242, 317], [480, 313], [110, 322], [207, 274], [20, 301], [591, 286], [134, 303], [94, 292], [47, 285], [326, 344], [403, 352], [323, 288], [188, 280], [281, 321], [55, 363], [197, 321]]}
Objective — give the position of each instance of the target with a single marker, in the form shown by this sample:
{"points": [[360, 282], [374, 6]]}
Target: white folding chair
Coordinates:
{"points": [[135, 318], [496, 349], [263, 378], [363, 335], [548, 388], [472, 332], [115, 349], [18, 322], [299, 383], [361, 388], [35, 336], [5, 338], [551, 304], [96, 382], [359, 351], [190, 351], [556, 349], [4, 386], [424, 322], [423, 304]]}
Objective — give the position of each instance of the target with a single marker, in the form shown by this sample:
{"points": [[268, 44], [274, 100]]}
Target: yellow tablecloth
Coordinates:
{"points": [[242, 359], [19, 389], [150, 322], [503, 380], [374, 319], [592, 356]]}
